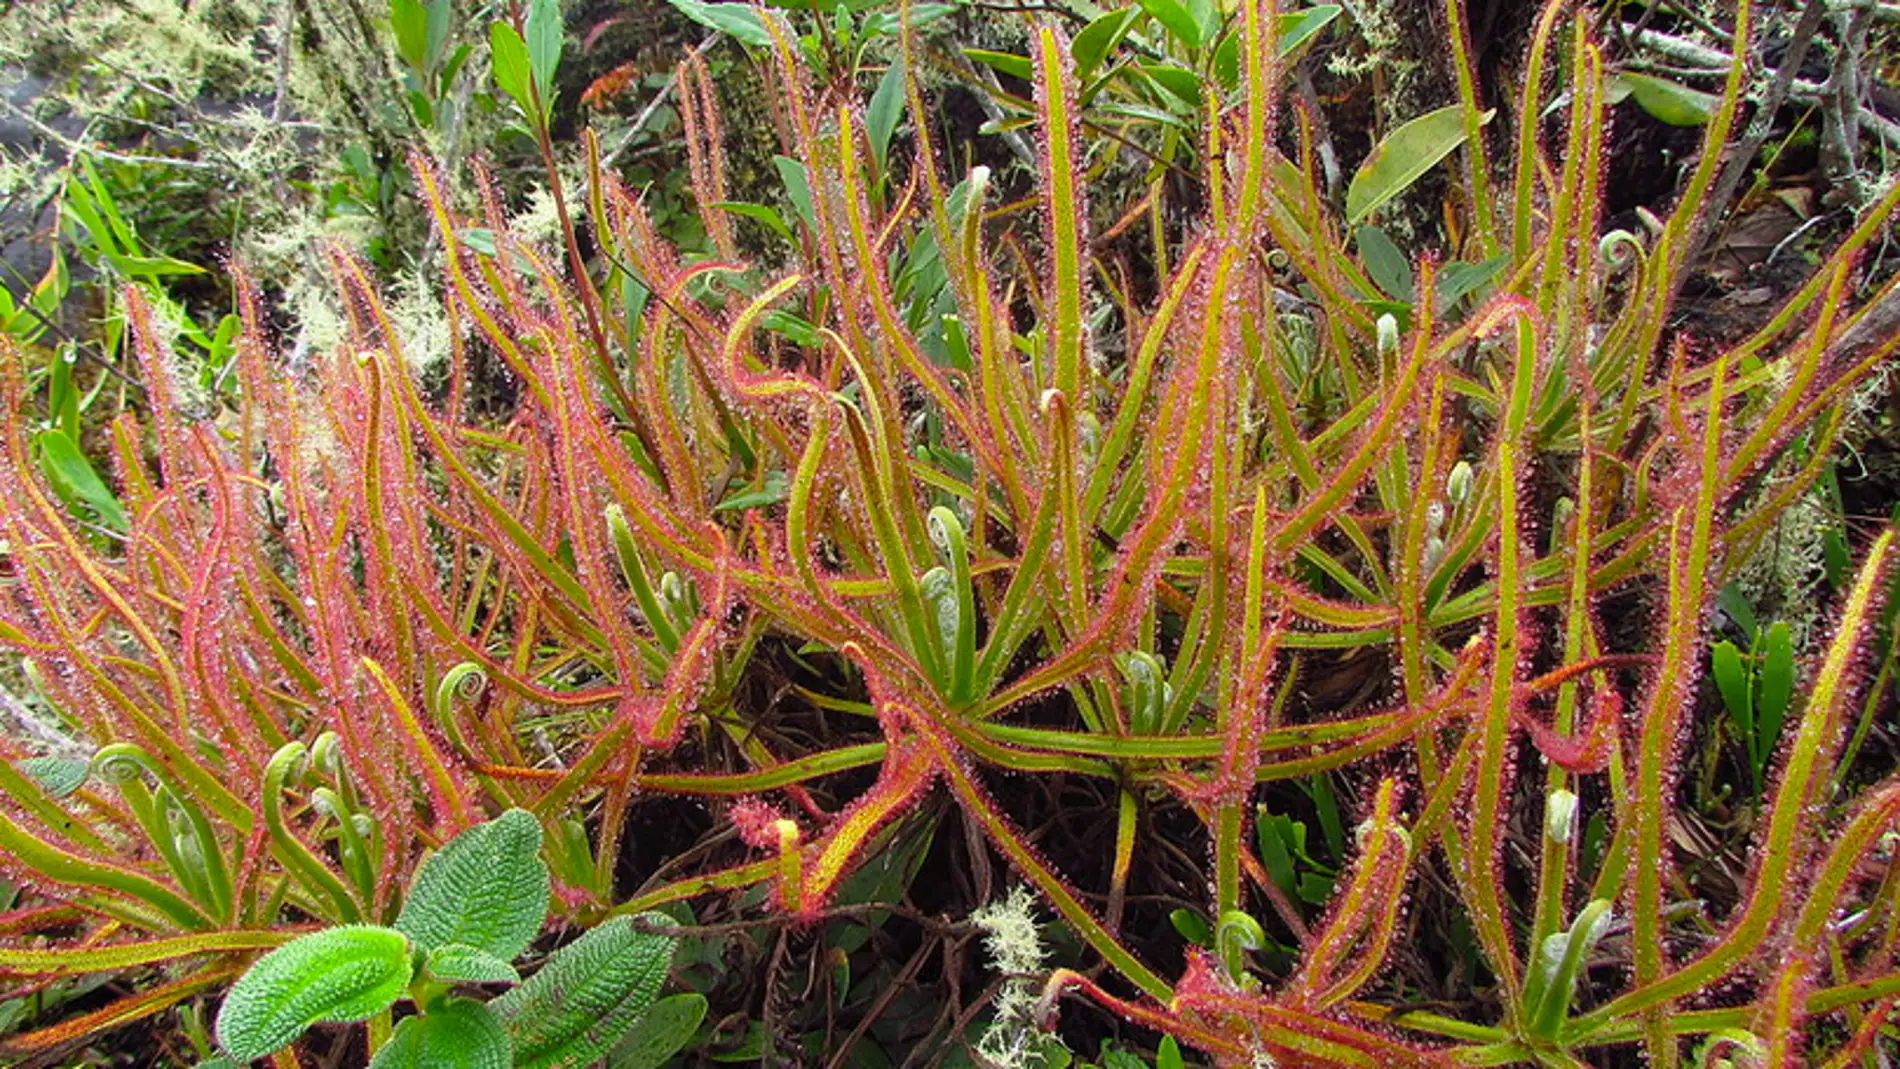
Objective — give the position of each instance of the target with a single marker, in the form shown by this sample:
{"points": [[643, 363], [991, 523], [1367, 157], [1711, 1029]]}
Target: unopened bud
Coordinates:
{"points": [[1560, 816], [1458, 483]]}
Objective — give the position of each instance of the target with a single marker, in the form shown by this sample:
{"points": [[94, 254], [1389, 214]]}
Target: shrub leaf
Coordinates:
{"points": [[588, 995], [459, 1034], [338, 974], [486, 889], [469, 965]]}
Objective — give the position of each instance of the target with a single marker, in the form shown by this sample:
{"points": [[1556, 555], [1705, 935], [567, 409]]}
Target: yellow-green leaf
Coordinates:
{"points": [[1405, 155]]}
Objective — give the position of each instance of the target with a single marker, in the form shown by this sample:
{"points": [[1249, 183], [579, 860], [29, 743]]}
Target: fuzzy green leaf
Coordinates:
{"points": [[587, 996], [459, 1034], [486, 889], [1405, 155], [338, 974], [57, 776], [662, 1030], [469, 965]]}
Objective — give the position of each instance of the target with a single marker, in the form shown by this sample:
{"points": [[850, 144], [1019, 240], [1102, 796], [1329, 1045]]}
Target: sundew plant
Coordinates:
{"points": [[1021, 521]]}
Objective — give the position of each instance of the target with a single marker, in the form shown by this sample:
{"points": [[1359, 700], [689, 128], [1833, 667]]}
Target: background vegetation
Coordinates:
{"points": [[948, 533]]}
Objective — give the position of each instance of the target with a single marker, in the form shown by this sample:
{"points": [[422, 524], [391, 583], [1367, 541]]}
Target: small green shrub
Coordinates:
{"points": [[473, 906]]}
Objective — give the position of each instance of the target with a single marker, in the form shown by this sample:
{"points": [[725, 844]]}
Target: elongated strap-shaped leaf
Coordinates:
{"points": [[116, 1014], [338, 974], [459, 1034], [72, 962], [587, 996], [486, 889], [62, 867]]}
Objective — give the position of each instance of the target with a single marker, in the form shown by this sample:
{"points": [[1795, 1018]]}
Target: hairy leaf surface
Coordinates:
{"points": [[486, 889], [459, 1034], [338, 974], [588, 995]]}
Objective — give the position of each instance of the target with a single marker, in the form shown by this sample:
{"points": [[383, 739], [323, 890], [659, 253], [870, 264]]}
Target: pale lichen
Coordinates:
{"points": [[1015, 948]]}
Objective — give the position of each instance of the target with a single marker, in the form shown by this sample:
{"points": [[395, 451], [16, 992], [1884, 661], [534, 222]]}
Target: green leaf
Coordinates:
{"points": [[666, 1027], [1191, 926], [1275, 835], [1184, 85], [514, 72], [764, 214], [1168, 1055], [1734, 604], [544, 49], [1314, 889], [792, 327], [757, 497], [460, 963], [440, 12], [738, 21], [1835, 562], [587, 996], [1458, 280], [1561, 959], [338, 974], [487, 889], [410, 20], [71, 473], [1389, 268], [1664, 100], [886, 23], [1734, 682], [797, 187], [1178, 20], [1775, 691], [882, 114], [1299, 27], [458, 1034], [1101, 34], [1405, 155], [57, 776], [150, 266], [1006, 62]]}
